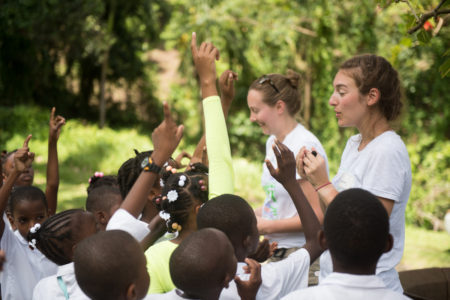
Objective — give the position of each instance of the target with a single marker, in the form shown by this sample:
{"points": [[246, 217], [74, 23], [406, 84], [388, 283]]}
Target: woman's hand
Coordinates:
{"points": [[312, 167]]}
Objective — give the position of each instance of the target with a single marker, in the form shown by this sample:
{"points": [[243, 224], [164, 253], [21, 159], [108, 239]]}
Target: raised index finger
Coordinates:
{"points": [[167, 115], [52, 114], [25, 143], [194, 44]]}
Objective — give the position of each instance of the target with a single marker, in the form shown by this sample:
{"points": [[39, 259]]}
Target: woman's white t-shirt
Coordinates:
{"points": [[278, 204], [384, 169]]}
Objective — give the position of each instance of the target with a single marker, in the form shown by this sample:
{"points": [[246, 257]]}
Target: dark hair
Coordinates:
{"points": [[55, 236], [201, 262], [107, 263], [102, 198], [356, 227], [25, 193], [6, 155], [190, 191], [96, 181], [372, 71], [276, 87], [230, 214], [130, 170]]}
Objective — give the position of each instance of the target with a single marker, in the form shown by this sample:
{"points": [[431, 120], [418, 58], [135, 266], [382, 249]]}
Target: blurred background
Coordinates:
{"points": [[107, 65]]}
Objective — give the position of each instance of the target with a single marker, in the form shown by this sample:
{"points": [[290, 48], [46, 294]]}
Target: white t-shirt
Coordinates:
{"points": [[123, 220], [278, 278], [383, 168], [342, 286], [51, 288], [23, 267], [172, 295], [278, 204]]}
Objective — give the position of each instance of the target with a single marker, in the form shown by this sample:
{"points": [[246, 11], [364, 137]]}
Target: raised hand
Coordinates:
{"points": [[286, 164], [55, 125], [226, 85], [166, 137], [205, 58], [248, 289], [23, 158]]}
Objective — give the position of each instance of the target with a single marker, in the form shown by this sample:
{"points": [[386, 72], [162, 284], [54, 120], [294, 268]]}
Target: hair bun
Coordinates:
{"points": [[294, 78]]}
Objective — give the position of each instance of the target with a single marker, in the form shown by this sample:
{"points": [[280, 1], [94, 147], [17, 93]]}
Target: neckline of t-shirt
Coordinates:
{"points": [[289, 133], [357, 139]]}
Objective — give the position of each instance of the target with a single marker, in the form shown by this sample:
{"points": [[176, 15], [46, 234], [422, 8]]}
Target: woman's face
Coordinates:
{"points": [[261, 113], [350, 106]]}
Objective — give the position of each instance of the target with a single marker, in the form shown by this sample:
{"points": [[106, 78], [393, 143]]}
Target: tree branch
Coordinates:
{"points": [[434, 13]]}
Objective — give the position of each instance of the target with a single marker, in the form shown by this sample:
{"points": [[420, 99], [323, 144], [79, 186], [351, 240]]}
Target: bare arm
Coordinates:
{"points": [[166, 138], [51, 189], [23, 159], [285, 174], [157, 228]]}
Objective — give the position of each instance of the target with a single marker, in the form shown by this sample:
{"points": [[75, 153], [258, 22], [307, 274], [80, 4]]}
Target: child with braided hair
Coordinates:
{"points": [[57, 238], [182, 196]]}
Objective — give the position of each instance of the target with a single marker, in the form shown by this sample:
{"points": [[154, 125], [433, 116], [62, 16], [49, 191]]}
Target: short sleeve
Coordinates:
{"points": [[123, 220]]}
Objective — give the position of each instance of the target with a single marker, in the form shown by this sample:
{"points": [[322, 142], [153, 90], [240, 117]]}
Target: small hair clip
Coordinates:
{"points": [[176, 226], [182, 180], [35, 228], [96, 175], [158, 200], [32, 244], [164, 215], [172, 196], [161, 182]]}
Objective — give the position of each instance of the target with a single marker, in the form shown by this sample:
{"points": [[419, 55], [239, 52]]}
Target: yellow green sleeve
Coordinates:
{"points": [[221, 174]]}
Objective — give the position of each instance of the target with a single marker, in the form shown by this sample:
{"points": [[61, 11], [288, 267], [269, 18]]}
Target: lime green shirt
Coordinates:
{"points": [[221, 173], [158, 257]]}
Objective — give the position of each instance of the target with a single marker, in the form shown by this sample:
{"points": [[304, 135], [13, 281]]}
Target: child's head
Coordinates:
{"points": [[111, 265], [203, 264], [372, 71], [25, 179], [182, 195], [356, 230], [232, 215], [58, 236], [102, 202], [27, 206], [98, 180]]}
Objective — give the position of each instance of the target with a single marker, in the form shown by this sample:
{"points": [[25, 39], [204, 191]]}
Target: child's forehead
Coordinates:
{"points": [[29, 207]]}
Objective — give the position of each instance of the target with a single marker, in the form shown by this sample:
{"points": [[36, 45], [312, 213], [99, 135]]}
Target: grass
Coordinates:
{"points": [[84, 149]]}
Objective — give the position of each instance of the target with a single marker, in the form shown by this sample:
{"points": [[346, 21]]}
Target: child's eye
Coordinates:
{"points": [[22, 221], [39, 217]]}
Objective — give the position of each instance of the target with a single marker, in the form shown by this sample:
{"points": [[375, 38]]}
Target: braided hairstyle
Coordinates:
{"points": [[130, 170], [181, 191], [56, 237]]}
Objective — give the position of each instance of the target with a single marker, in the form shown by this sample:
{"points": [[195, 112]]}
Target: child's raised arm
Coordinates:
{"points": [[23, 159], [166, 138], [285, 174], [221, 174], [51, 189]]}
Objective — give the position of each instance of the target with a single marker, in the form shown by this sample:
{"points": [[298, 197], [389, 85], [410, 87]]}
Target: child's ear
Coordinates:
{"points": [[101, 217], [131, 292], [322, 240], [227, 279], [11, 220], [389, 243]]}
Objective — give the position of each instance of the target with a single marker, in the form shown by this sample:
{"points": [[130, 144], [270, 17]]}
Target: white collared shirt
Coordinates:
{"points": [[345, 286], [50, 288], [278, 278], [172, 295], [23, 267], [123, 220]]}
